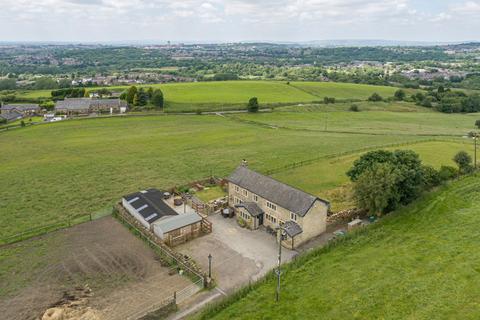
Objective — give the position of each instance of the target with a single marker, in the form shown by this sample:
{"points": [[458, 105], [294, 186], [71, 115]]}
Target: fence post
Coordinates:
{"points": [[175, 297]]}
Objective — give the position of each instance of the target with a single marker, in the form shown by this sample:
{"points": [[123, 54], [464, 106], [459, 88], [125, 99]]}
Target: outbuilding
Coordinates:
{"points": [[150, 209]]}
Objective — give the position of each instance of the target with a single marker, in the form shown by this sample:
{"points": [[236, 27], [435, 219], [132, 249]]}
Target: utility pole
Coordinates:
{"points": [[475, 137], [210, 266], [279, 271]]}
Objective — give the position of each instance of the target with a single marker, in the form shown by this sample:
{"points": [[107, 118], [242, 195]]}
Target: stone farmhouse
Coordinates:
{"points": [[151, 209], [78, 106], [263, 201], [24, 109]]}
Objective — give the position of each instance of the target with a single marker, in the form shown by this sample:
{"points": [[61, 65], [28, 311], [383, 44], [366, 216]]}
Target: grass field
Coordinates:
{"points": [[210, 193], [375, 122], [226, 95], [418, 263], [327, 177], [82, 166]]}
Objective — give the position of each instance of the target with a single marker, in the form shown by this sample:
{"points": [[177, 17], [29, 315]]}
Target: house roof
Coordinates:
{"points": [[292, 228], [73, 104], [251, 207], [86, 103], [21, 107], [279, 193], [12, 115], [177, 222], [150, 205]]}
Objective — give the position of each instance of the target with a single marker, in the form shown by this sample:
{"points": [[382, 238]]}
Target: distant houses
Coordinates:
{"points": [[24, 109], [78, 106]]}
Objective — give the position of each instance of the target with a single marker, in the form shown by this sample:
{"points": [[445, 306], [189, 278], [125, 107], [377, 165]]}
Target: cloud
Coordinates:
{"points": [[231, 19]]}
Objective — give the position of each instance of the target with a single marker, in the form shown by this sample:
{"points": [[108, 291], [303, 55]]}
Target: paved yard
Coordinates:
{"points": [[239, 255]]}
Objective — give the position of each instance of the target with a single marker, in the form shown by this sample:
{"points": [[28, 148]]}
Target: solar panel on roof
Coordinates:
{"points": [[142, 207], [150, 217], [133, 200]]}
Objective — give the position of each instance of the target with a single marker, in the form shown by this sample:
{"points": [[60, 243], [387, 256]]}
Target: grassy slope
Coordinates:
{"points": [[419, 263], [327, 177], [216, 95], [429, 123]]}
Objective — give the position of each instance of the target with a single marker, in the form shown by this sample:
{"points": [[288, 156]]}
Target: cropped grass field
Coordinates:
{"points": [[83, 166], [227, 95], [419, 263], [53, 171]]}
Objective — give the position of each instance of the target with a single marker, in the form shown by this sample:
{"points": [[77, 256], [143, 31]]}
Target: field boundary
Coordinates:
{"points": [[350, 152], [54, 226]]}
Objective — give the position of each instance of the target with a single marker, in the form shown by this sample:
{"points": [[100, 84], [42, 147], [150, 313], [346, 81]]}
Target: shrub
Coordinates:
{"points": [[22, 123], [447, 173], [464, 162], [253, 104], [354, 108], [477, 124], [431, 177], [328, 100], [375, 97], [241, 222], [399, 95]]}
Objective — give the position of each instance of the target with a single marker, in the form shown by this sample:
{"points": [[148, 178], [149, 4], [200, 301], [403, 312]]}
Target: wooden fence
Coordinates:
{"points": [[54, 226]]}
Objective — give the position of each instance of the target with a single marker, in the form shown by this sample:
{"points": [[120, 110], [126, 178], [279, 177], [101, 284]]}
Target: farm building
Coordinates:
{"points": [[259, 200], [75, 106], [11, 116], [24, 109], [151, 209]]}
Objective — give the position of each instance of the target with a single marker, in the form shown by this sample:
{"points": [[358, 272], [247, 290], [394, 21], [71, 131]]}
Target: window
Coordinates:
{"points": [[237, 189], [293, 216], [237, 201], [245, 192], [255, 198], [271, 206]]}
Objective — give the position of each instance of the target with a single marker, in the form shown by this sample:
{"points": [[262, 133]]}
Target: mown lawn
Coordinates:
{"points": [[421, 262]]}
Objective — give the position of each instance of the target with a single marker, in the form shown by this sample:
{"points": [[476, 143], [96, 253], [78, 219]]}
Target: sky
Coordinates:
{"points": [[238, 20]]}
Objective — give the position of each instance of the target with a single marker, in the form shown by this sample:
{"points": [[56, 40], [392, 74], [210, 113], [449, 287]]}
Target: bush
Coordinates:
{"points": [[477, 124], [464, 162], [328, 100], [253, 105], [375, 97], [241, 222], [431, 177], [447, 173], [22, 123], [399, 95], [354, 108]]}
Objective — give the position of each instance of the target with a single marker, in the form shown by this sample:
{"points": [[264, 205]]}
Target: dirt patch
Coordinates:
{"points": [[123, 274]]}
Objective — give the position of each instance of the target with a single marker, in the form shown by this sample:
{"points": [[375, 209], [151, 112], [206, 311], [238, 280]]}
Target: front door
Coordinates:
{"points": [[260, 219]]}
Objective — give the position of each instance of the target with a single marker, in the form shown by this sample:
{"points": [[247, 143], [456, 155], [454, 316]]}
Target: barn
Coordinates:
{"points": [[151, 209]]}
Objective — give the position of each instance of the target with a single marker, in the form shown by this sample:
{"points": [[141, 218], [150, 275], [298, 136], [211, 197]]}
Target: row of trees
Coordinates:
{"points": [[141, 97], [383, 180]]}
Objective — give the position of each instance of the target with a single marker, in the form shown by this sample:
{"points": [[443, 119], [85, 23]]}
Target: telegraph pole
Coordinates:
{"points": [[279, 271]]}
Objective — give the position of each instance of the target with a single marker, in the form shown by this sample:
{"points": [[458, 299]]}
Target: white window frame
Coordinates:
{"points": [[245, 192], [293, 216], [255, 198], [271, 206]]}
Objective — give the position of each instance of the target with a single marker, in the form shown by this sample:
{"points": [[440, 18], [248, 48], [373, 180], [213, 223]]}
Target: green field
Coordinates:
{"points": [[418, 263], [227, 95], [83, 166]]}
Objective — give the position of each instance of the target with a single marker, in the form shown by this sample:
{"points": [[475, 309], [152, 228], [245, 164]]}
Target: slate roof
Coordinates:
{"points": [[21, 107], [177, 222], [86, 103], [292, 228], [150, 205], [73, 104], [10, 116], [251, 207], [281, 194]]}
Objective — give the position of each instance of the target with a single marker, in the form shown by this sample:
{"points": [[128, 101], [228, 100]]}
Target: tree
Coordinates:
{"points": [[8, 84], [131, 92], [463, 161], [157, 98], [375, 97], [408, 165], [142, 98], [477, 124], [399, 95], [253, 105], [150, 93], [45, 83], [376, 188]]}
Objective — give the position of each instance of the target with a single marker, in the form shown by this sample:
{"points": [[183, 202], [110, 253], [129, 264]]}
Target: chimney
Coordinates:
{"points": [[244, 163]]}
